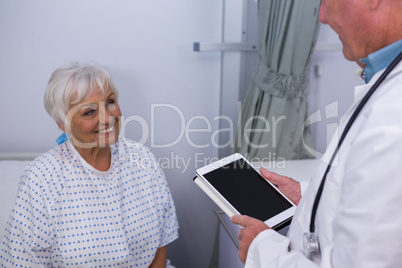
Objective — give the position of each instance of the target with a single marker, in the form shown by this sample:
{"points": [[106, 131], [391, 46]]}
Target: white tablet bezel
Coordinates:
{"points": [[271, 222]]}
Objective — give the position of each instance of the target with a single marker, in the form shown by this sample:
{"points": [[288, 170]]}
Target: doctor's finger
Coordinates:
{"points": [[273, 177], [240, 234], [243, 251], [242, 220]]}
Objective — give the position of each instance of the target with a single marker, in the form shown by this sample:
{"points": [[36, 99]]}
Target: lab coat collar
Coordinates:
{"points": [[361, 91]]}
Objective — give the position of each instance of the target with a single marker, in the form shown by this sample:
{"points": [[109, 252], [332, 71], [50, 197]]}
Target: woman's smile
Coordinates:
{"points": [[107, 130]]}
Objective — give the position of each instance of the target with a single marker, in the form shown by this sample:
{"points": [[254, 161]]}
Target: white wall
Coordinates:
{"points": [[148, 47]]}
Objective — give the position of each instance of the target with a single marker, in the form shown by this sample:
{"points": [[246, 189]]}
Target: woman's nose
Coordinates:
{"points": [[105, 115]]}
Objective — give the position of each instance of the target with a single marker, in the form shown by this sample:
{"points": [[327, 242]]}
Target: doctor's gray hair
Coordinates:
{"points": [[71, 84]]}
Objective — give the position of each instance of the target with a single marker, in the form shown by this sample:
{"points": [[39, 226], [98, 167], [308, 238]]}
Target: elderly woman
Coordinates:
{"points": [[86, 203]]}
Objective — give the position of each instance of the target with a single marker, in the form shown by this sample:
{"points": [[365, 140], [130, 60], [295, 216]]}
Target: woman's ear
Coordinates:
{"points": [[61, 126]]}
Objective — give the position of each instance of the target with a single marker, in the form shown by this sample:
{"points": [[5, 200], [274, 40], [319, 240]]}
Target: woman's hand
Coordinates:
{"points": [[160, 258], [246, 235], [286, 185]]}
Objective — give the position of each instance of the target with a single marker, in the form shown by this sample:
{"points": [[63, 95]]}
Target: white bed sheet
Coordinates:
{"points": [[10, 173]]}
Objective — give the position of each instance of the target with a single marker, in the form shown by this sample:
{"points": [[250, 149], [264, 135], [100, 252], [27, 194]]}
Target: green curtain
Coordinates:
{"points": [[275, 108]]}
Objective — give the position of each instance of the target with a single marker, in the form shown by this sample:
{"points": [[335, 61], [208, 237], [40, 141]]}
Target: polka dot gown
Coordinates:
{"points": [[68, 214]]}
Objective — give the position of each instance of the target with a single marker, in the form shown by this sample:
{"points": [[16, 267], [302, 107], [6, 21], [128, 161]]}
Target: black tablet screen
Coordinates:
{"points": [[247, 191]]}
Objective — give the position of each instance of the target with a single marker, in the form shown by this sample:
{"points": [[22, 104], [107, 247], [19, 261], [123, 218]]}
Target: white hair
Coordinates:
{"points": [[71, 84]]}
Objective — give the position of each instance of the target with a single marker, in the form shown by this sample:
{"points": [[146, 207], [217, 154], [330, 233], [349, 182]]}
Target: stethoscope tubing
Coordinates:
{"points": [[346, 130]]}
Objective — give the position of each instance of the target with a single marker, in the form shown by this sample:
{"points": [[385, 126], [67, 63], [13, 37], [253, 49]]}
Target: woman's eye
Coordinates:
{"points": [[111, 105], [89, 112]]}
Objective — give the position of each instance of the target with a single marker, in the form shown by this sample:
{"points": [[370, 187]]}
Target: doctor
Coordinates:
{"points": [[358, 219]]}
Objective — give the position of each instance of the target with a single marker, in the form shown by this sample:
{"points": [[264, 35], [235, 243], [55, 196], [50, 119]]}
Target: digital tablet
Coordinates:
{"points": [[239, 189]]}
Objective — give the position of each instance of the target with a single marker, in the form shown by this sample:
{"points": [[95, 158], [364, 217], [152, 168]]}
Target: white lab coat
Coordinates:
{"points": [[359, 218]]}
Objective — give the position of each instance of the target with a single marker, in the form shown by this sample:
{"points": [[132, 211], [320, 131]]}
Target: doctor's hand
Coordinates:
{"points": [[286, 185], [246, 235]]}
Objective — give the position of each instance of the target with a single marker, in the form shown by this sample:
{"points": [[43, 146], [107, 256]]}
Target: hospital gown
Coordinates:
{"points": [[68, 214]]}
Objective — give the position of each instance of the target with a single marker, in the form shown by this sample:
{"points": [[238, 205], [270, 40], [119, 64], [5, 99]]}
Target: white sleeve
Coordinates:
{"points": [[367, 230], [167, 210], [303, 186], [169, 224], [271, 249]]}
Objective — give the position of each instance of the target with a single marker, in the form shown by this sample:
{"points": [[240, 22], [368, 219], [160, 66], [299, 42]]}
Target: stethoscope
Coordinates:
{"points": [[310, 240]]}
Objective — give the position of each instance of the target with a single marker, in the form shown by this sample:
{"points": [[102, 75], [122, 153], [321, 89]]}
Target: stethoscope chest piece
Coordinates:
{"points": [[311, 246]]}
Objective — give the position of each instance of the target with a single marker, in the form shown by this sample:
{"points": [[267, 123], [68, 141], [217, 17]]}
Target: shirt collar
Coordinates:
{"points": [[380, 59]]}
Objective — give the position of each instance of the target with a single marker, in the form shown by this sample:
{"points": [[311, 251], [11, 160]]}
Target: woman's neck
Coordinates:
{"points": [[99, 158]]}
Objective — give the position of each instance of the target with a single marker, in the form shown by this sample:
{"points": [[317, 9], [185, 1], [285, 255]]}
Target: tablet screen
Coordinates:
{"points": [[247, 191]]}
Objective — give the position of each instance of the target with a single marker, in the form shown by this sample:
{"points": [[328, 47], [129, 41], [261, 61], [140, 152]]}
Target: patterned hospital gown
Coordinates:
{"points": [[68, 214]]}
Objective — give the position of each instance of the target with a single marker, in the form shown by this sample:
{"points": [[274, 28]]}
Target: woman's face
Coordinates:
{"points": [[95, 121]]}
